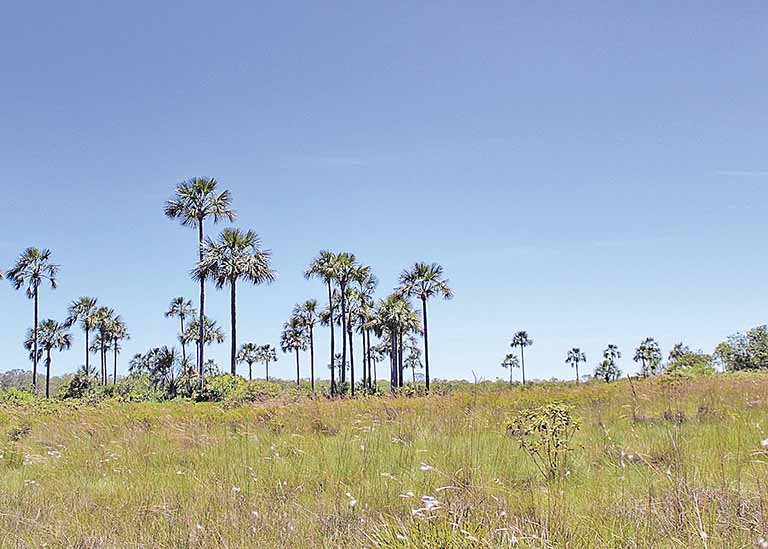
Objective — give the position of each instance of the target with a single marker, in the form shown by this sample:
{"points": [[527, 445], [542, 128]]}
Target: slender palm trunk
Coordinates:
{"points": [[312, 357], [522, 361], [375, 375], [393, 378], [577, 371], [298, 380], [87, 353], [233, 323], [47, 373], [351, 362], [368, 356], [183, 343], [266, 362], [426, 342], [333, 346], [114, 376], [413, 371], [201, 341], [34, 336], [400, 358], [343, 335], [510, 375], [250, 371]]}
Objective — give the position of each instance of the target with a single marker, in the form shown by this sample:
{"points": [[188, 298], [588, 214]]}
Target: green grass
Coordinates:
{"points": [[317, 473]]}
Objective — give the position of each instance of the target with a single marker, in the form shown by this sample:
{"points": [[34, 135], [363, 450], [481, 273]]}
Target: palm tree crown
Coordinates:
{"points": [[574, 357]]}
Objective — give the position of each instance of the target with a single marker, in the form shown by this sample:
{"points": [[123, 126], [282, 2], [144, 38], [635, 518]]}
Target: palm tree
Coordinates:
{"points": [[608, 368], [367, 283], [248, 354], [181, 308], [267, 354], [323, 267], [50, 335], [394, 319], [235, 256], [104, 319], [84, 310], [413, 358], [344, 270], [649, 355], [510, 361], [521, 339], [308, 313], [294, 338], [101, 344], [118, 332], [32, 268], [425, 281], [195, 201], [211, 332], [575, 356]]}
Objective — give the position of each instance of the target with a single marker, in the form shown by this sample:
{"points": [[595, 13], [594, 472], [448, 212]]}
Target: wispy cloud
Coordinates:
{"points": [[742, 173]]}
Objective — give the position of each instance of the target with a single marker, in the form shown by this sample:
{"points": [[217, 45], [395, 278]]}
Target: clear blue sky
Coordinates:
{"points": [[592, 173]]}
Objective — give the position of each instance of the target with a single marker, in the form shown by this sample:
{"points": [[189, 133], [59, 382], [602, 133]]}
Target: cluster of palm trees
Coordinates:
{"points": [[351, 306], [238, 256], [647, 354]]}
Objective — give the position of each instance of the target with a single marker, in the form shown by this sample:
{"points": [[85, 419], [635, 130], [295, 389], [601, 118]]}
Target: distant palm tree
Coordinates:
{"points": [[32, 268], [83, 311], [267, 354], [323, 267], [608, 369], [211, 332], [521, 339], [308, 312], [575, 356], [104, 318], [50, 335], [118, 332], [649, 355], [181, 308], [510, 361], [425, 281], [248, 354], [367, 283], [101, 345], [235, 256], [195, 201], [294, 338], [394, 319]]}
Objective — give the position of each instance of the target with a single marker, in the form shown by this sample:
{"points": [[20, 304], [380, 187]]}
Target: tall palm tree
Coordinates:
{"points": [[101, 345], [248, 354], [575, 356], [267, 354], [308, 313], [195, 201], [181, 308], [294, 338], [425, 281], [118, 332], [521, 339], [50, 335], [367, 283], [104, 319], [510, 361], [323, 267], [83, 311], [344, 270], [235, 256], [394, 319], [33, 268]]}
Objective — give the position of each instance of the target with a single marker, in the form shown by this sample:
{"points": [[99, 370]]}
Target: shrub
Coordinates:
{"points": [[545, 434]]}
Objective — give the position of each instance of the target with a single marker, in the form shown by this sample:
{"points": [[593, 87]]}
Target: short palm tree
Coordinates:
{"points": [[104, 319], [267, 354], [118, 333], [425, 281], [235, 256], [308, 313], [510, 361], [83, 311], [50, 335], [649, 355], [521, 339], [195, 201], [181, 308], [33, 268], [294, 339], [345, 270], [322, 267], [575, 356], [248, 354]]}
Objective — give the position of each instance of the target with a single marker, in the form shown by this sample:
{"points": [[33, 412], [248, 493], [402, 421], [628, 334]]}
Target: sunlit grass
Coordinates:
{"points": [[679, 465]]}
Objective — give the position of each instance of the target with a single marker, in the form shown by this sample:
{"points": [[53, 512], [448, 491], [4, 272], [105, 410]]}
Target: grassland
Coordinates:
{"points": [[659, 463]]}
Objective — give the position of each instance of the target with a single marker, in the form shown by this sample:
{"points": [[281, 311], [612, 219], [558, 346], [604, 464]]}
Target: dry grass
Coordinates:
{"points": [[670, 464]]}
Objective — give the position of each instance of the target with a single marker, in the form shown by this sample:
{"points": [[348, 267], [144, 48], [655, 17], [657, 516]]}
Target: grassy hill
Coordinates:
{"points": [[657, 463]]}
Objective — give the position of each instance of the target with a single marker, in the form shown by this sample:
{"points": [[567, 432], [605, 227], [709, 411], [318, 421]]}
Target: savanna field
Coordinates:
{"points": [[664, 462]]}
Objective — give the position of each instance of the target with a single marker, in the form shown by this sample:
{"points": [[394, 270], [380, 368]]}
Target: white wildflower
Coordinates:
{"points": [[425, 467]]}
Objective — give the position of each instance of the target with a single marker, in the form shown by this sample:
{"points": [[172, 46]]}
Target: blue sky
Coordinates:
{"points": [[592, 173]]}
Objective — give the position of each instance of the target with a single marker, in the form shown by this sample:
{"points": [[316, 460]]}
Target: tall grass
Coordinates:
{"points": [[657, 463]]}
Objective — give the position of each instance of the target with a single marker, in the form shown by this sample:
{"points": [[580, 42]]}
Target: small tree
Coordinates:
{"points": [[510, 361], [648, 354], [575, 356], [521, 339]]}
